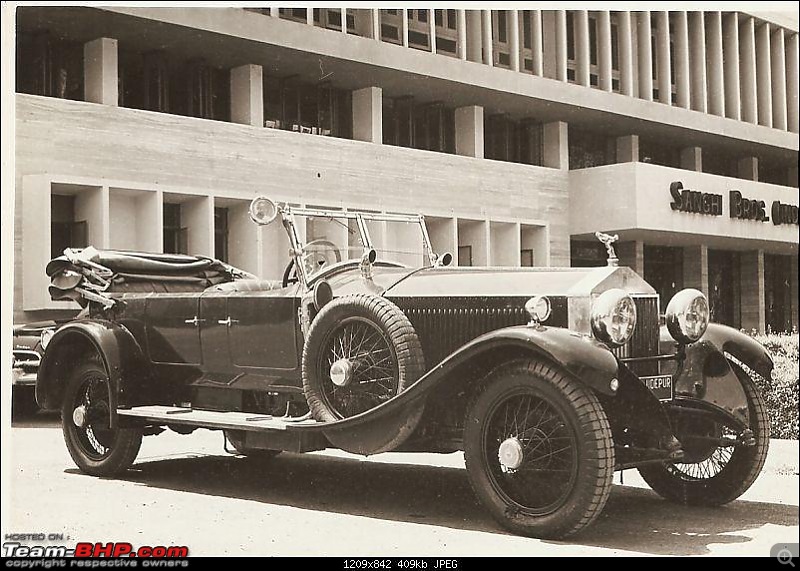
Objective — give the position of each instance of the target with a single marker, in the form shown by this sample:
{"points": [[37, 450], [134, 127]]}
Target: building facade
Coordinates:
{"points": [[517, 133]]}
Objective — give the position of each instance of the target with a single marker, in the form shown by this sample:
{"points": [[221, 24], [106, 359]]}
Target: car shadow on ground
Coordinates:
{"points": [[634, 519]]}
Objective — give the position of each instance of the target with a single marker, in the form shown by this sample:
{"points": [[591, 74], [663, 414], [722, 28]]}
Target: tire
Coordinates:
{"points": [[23, 402], [95, 448], [706, 484], [236, 438], [565, 422], [393, 359]]}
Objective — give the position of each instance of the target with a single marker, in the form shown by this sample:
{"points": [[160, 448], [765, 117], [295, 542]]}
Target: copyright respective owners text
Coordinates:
{"points": [[377, 563]]}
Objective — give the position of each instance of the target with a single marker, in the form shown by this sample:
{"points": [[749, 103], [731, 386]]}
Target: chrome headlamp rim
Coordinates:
{"points": [[538, 308], [256, 211], [687, 316], [44, 338], [613, 317]]}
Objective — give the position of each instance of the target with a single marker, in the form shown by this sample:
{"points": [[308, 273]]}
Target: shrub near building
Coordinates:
{"points": [[781, 394]]}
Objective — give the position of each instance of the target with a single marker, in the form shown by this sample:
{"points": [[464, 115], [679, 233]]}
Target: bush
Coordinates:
{"points": [[781, 393]]}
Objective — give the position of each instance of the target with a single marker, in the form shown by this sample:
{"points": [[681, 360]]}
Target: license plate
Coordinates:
{"points": [[659, 385]]}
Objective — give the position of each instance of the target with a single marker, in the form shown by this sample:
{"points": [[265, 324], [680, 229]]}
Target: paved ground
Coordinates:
{"points": [[185, 490]]}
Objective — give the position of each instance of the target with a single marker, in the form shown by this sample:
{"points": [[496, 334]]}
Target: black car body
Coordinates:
{"points": [[549, 379]]}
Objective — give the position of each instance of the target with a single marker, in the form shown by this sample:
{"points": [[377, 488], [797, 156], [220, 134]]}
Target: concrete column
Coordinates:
{"points": [[793, 279], [461, 33], [752, 291], [376, 24], [748, 168], [344, 19], [715, 69], [628, 149], [625, 53], [582, 48], [368, 115], [404, 27], [432, 29], [747, 70], [682, 69], [474, 36], [645, 56], [730, 46], [692, 159], [469, 131], [537, 42], [556, 145], [274, 12], [486, 28], [695, 267], [631, 254], [512, 25], [778, 57], [101, 72], [198, 216], [561, 45], [247, 95], [764, 75], [310, 17], [792, 99], [697, 47], [604, 49], [664, 65]]}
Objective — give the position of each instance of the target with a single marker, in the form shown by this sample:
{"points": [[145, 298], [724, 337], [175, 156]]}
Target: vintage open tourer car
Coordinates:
{"points": [[548, 379]]}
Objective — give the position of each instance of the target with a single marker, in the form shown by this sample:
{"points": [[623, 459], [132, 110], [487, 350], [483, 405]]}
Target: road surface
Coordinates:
{"points": [[186, 490]]}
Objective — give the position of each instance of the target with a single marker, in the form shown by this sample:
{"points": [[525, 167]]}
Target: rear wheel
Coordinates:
{"points": [[718, 474], [95, 447], [538, 450]]}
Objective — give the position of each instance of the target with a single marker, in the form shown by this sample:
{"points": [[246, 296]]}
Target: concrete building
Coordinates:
{"points": [[518, 133]]}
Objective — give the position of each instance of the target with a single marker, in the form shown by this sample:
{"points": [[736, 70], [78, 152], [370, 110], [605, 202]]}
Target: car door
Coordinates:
{"points": [[262, 333], [172, 332]]}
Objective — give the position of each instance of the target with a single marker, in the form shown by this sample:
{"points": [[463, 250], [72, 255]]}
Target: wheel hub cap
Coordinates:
{"points": [[79, 416], [510, 453], [341, 372]]}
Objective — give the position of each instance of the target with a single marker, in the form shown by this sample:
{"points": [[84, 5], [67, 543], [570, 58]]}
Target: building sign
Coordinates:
{"points": [[740, 207], [685, 200]]}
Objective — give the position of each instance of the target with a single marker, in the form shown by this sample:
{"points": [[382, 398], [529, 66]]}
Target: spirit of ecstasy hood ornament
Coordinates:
{"points": [[608, 241]]}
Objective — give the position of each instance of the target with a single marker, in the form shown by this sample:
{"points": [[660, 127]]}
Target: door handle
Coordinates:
{"points": [[194, 321], [228, 321]]}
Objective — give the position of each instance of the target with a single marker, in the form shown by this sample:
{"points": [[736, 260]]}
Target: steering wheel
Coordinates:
{"points": [[316, 255]]}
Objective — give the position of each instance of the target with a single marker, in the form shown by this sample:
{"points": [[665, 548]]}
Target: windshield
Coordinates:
{"points": [[327, 239]]}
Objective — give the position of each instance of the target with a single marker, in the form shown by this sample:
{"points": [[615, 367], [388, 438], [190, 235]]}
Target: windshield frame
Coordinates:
{"points": [[288, 214]]}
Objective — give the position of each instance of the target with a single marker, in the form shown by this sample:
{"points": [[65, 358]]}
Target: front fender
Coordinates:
{"points": [[112, 342], [705, 374], [581, 357], [743, 347]]}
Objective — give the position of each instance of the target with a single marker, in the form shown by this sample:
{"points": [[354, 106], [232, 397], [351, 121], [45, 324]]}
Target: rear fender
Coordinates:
{"points": [[113, 343]]}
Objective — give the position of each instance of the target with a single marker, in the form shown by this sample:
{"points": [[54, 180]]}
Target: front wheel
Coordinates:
{"points": [[538, 450], [96, 448], [716, 475]]}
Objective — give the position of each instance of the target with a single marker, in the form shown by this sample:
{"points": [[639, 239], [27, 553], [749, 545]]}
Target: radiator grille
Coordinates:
{"points": [[645, 338]]}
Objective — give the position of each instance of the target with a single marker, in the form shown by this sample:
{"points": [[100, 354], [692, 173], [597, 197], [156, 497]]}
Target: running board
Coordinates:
{"points": [[211, 418]]}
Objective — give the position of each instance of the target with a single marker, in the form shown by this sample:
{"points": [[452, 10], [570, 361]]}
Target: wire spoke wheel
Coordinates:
{"points": [[95, 436], [366, 364], [96, 447], [538, 450], [715, 474], [531, 452]]}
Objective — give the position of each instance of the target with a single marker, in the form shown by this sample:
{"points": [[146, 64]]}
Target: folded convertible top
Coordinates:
{"points": [[89, 274]]}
